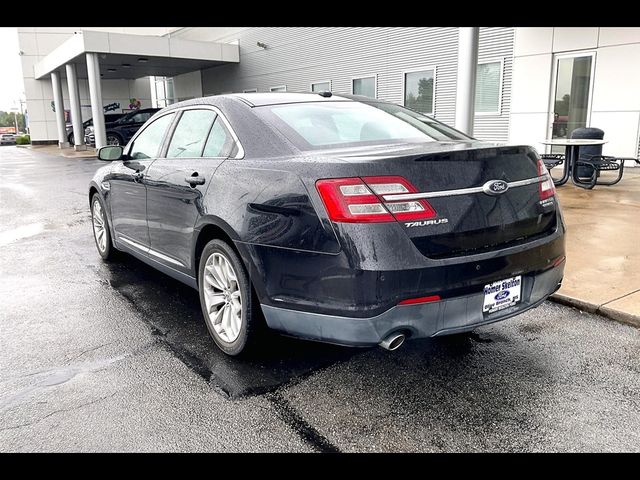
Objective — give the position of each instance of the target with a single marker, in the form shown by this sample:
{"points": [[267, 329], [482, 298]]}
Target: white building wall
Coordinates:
{"points": [[298, 56], [188, 85], [37, 42], [616, 83]]}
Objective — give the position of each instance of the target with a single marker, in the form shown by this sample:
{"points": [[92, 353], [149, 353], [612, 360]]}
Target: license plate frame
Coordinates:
{"points": [[502, 294]]}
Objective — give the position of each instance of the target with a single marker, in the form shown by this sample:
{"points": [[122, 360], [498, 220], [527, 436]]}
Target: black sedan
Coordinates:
{"points": [[120, 131], [334, 218], [108, 117]]}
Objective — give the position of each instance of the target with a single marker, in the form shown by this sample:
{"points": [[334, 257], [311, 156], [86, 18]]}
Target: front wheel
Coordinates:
{"points": [[113, 139], [231, 312], [101, 233]]}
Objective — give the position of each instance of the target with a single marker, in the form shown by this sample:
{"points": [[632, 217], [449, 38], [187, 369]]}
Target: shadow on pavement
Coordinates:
{"points": [[172, 310]]}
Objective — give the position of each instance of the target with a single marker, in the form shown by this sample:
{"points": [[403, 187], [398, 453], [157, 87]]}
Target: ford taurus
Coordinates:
{"points": [[331, 217]]}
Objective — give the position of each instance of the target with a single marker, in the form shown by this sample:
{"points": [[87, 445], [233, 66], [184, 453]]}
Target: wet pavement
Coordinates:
{"points": [[115, 357]]}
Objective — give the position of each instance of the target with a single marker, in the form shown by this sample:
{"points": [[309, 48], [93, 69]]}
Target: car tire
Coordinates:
{"points": [[100, 223], [234, 332], [70, 138], [114, 139]]}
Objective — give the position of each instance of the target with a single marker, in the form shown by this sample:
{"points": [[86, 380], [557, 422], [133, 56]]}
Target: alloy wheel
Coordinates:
{"points": [[222, 296], [99, 226], [113, 140]]}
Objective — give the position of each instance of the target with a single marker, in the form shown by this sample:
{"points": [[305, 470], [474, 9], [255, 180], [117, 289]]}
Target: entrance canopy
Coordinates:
{"points": [[99, 56], [126, 56]]}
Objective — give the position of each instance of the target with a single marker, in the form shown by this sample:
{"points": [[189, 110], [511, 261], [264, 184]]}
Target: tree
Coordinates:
{"points": [[7, 119]]}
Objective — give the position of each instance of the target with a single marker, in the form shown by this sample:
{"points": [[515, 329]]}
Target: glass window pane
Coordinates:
{"points": [[170, 90], [148, 143], [571, 100], [191, 133], [418, 91], [321, 87], [279, 89], [365, 86], [488, 88], [220, 142], [322, 125], [345, 123]]}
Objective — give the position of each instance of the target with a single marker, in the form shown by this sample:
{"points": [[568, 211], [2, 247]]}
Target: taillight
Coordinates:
{"points": [[357, 199], [350, 200], [546, 188]]}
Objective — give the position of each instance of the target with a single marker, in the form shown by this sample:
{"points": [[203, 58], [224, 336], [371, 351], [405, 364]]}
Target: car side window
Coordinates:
{"points": [[191, 133], [148, 143], [220, 143]]}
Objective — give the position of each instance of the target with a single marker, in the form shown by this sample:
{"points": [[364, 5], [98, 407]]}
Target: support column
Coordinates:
{"points": [[76, 113], [59, 106], [95, 93], [468, 39]]}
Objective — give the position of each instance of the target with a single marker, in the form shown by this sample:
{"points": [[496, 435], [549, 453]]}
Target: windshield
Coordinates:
{"points": [[344, 124], [124, 119]]}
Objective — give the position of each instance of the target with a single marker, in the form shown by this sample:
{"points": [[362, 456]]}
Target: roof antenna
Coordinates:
{"points": [[325, 94]]}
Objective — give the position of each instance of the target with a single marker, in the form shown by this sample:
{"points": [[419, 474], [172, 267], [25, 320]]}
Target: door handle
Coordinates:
{"points": [[195, 180], [137, 176]]}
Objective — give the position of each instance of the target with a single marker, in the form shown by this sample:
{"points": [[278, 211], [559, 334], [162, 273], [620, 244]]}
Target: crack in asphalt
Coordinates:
{"points": [[300, 426], [63, 410]]}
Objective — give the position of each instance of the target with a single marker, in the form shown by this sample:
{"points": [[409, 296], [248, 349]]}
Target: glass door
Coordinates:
{"points": [[571, 103]]}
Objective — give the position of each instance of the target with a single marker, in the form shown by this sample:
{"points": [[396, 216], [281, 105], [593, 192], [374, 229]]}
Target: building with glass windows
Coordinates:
{"points": [[531, 83]]}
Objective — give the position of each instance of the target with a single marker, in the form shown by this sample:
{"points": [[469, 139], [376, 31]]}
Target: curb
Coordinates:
{"points": [[610, 313]]}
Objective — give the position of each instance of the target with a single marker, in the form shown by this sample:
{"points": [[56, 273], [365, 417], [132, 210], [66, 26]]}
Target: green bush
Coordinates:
{"points": [[23, 140]]}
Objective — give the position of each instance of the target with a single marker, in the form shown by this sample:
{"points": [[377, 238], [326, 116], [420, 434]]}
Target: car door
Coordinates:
{"points": [[201, 140], [128, 192]]}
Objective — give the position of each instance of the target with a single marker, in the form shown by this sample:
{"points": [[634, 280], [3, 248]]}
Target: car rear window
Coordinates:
{"points": [[316, 125]]}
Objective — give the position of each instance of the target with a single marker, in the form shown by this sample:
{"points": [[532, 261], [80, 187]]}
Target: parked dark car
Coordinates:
{"points": [[334, 218], [120, 131], [108, 117]]}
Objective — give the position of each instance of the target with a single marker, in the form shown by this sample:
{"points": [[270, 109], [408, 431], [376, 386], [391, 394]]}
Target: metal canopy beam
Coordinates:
{"points": [[127, 56]]}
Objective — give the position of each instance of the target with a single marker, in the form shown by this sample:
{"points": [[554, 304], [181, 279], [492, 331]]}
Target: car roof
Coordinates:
{"points": [[275, 98], [270, 98]]}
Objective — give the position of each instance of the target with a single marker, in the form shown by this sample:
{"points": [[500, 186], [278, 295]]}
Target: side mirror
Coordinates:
{"points": [[110, 153]]}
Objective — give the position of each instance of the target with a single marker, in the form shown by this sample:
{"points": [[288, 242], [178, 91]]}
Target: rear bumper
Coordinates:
{"points": [[451, 315]]}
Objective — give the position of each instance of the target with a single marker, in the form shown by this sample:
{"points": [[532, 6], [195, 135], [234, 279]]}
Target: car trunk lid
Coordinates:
{"points": [[483, 196]]}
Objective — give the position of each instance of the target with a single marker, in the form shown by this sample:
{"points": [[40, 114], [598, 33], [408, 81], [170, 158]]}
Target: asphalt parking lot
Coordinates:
{"points": [[115, 357]]}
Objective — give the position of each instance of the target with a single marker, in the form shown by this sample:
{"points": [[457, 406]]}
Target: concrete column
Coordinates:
{"points": [[95, 93], [76, 113], [59, 105], [468, 38]]}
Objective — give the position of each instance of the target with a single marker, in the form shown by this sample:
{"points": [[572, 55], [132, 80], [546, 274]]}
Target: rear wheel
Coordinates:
{"points": [[101, 228], [230, 310]]}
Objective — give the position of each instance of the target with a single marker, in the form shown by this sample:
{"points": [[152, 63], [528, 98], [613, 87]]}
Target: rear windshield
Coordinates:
{"points": [[317, 125]]}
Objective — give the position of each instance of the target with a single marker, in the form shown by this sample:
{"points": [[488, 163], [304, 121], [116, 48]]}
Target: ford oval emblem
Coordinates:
{"points": [[501, 295], [495, 187]]}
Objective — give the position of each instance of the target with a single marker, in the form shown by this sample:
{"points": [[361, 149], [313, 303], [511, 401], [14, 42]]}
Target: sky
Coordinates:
{"points": [[11, 87]]}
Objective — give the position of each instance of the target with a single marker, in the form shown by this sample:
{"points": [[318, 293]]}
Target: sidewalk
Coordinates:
{"points": [[65, 152], [603, 248]]}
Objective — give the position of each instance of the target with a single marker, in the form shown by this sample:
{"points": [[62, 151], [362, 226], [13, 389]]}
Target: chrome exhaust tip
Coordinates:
{"points": [[393, 341]]}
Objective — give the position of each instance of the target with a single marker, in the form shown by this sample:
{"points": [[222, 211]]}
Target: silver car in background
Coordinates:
{"points": [[7, 139]]}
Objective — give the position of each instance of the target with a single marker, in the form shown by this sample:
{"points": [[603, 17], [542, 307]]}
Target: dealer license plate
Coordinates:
{"points": [[502, 294]]}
